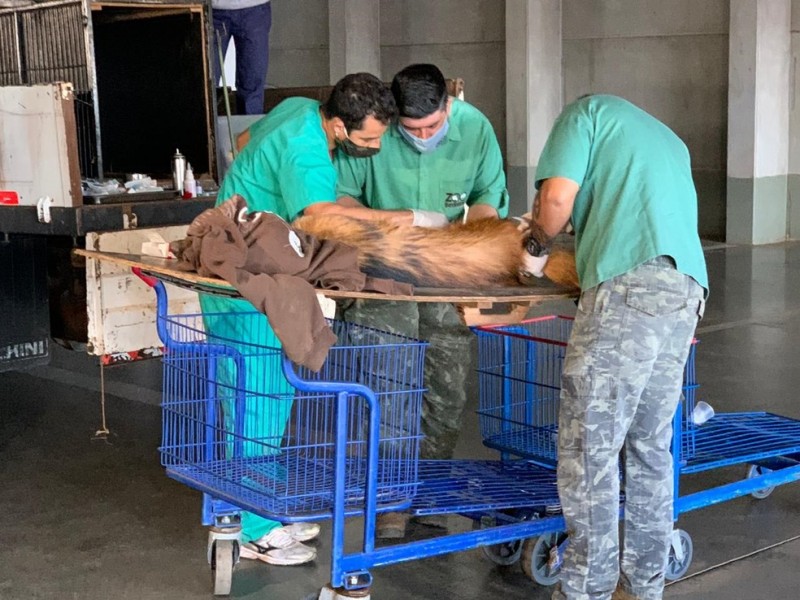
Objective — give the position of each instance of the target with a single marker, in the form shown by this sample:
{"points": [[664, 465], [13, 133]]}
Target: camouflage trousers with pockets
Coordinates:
{"points": [[446, 361], [621, 383]]}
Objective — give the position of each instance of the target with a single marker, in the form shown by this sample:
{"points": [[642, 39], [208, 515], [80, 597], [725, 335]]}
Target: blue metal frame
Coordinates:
{"points": [[351, 571], [212, 508], [762, 439], [211, 350], [517, 376], [778, 452], [767, 440], [358, 563], [342, 392]]}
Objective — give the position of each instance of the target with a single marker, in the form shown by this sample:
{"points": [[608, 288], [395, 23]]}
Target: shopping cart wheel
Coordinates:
{"points": [[681, 552], [224, 558], [755, 471], [540, 558], [505, 554]]}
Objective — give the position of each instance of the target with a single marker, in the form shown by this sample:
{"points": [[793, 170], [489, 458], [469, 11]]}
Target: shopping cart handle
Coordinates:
{"points": [[342, 389], [330, 387], [148, 279]]}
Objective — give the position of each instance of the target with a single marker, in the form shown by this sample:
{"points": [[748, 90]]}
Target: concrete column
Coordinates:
{"points": [[794, 129], [758, 121], [354, 28], [534, 90]]}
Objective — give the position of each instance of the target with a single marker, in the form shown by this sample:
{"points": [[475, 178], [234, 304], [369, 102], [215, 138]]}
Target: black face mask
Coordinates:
{"points": [[352, 149]]}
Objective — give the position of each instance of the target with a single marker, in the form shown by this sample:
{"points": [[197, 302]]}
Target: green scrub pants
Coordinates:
{"points": [[233, 323]]}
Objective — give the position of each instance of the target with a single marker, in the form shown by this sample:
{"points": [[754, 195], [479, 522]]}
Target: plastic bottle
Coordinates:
{"points": [[189, 184]]}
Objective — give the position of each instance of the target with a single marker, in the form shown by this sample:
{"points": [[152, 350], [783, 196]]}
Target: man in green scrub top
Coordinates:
{"points": [[440, 159], [286, 168], [625, 179]]}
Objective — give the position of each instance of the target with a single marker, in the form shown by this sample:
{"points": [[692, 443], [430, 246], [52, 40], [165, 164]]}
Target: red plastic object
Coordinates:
{"points": [[9, 197]]}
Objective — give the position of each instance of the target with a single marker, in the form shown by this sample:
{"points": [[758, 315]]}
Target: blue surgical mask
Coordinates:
{"points": [[425, 145]]}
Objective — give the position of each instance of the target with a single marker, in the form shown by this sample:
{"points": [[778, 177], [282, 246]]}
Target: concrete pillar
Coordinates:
{"points": [[354, 28], [758, 121], [534, 90], [794, 129]]}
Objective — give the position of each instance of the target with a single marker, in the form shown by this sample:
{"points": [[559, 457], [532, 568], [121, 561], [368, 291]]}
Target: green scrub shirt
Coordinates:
{"points": [[637, 199], [466, 169], [286, 165]]}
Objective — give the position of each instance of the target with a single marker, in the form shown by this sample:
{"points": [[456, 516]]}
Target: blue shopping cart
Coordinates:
{"points": [[519, 371], [253, 431], [232, 423]]}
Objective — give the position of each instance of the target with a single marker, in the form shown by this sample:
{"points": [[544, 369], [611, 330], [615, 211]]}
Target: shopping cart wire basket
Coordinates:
{"points": [[519, 384], [237, 425]]}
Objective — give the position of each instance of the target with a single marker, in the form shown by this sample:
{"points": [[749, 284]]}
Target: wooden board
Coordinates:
{"points": [[120, 306], [476, 306]]}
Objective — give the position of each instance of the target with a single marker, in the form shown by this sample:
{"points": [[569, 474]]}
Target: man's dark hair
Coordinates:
{"points": [[357, 96], [419, 90]]}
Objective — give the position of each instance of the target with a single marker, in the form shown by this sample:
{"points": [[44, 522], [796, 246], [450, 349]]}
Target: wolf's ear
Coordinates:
{"points": [[523, 222]]}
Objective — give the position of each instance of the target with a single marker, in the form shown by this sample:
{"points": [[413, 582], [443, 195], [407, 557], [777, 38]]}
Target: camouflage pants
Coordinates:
{"points": [[446, 362], [621, 383]]}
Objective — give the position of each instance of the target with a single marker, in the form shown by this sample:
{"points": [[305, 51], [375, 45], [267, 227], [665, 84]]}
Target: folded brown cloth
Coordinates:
{"points": [[276, 269]]}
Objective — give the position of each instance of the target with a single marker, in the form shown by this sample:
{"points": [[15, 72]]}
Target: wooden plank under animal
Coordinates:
{"points": [[496, 305]]}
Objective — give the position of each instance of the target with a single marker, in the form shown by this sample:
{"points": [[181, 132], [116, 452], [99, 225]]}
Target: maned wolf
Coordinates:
{"points": [[476, 254]]}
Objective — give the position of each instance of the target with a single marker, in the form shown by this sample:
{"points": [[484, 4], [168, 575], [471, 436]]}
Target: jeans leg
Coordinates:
{"points": [[251, 36], [222, 30]]}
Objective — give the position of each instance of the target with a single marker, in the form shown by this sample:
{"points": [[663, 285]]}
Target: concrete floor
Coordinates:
{"points": [[85, 518]]}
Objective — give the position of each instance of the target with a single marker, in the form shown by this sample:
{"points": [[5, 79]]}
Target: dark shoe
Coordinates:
{"points": [[620, 594], [437, 521], [391, 526]]}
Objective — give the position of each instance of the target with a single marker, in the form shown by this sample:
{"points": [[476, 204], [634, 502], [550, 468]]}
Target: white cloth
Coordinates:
{"points": [[534, 265], [429, 218]]}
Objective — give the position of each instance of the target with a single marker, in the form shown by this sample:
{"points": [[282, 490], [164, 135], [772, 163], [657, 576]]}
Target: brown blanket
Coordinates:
{"points": [[276, 269]]}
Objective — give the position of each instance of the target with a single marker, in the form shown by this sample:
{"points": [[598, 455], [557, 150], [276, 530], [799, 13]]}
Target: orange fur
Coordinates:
{"points": [[478, 254], [561, 270]]}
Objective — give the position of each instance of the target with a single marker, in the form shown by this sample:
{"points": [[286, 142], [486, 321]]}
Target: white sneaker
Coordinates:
{"points": [[293, 554], [283, 537], [302, 532]]}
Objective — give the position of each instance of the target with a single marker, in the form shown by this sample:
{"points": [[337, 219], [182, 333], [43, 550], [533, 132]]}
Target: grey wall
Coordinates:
{"points": [[299, 43], [670, 58], [464, 38]]}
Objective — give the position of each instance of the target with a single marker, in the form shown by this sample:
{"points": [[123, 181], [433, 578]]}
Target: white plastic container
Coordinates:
{"points": [[189, 183], [703, 411]]}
